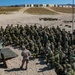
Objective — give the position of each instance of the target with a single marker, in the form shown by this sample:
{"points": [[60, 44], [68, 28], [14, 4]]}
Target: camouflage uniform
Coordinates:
{"points": [[36, 51], [58, 69], [50, 58], [57, 57], [70, 71]]}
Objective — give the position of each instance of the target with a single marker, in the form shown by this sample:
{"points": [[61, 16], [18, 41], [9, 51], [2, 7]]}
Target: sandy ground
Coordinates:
{"points": [[25, 18], [35, 67]]}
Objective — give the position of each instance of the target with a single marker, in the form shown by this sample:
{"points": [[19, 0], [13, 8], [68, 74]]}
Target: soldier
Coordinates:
{"points": [[41, 49], [70, 38], [59, 69], [36, 50], [17, 42], [66, 45], [10, 39], [1, 31], [59, 28], [48, 43], [45, 38], [17, 32], [69, 53], [62, 57], [73, 63], [52, 46], [47, 47], [57, 57], [70, 71], [49, 56], [7, 30], [59, 47], [57, 36], [32, 38], [31, 44], [21, 42], [35, 26], [11, 31], [25, 54], [52, 37], [53, 28]]}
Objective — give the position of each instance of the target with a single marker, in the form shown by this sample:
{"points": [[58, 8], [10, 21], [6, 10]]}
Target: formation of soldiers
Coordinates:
{"points": [[56, 45], [49, 19]]}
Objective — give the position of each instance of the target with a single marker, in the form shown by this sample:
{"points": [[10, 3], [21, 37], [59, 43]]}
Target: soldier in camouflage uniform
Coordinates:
{"points": [[70, 71], [59, 69], [1, 32], [31, 44], [36, 51], [57, 57], [45, 39], [73, 63]]}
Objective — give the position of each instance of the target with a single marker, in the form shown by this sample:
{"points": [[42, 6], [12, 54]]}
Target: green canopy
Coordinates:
{"points": [[8, 53]]}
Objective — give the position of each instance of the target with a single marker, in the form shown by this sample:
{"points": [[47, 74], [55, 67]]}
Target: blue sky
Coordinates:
{"points": [[16, 2]]}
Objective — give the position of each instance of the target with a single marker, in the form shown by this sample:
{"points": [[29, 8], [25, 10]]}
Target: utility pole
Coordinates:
{"points": [[72, 21]]}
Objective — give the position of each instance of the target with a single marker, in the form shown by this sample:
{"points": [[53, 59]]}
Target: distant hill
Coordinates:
{"points": [[66, 4], [21, 5]]}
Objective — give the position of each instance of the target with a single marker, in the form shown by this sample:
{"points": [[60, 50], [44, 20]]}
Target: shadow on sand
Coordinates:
{"points": [[42, 62], [44, 69], [15, 69]]}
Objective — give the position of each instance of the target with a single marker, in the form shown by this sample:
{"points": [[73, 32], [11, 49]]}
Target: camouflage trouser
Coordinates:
{"points": [[25, 60]]}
